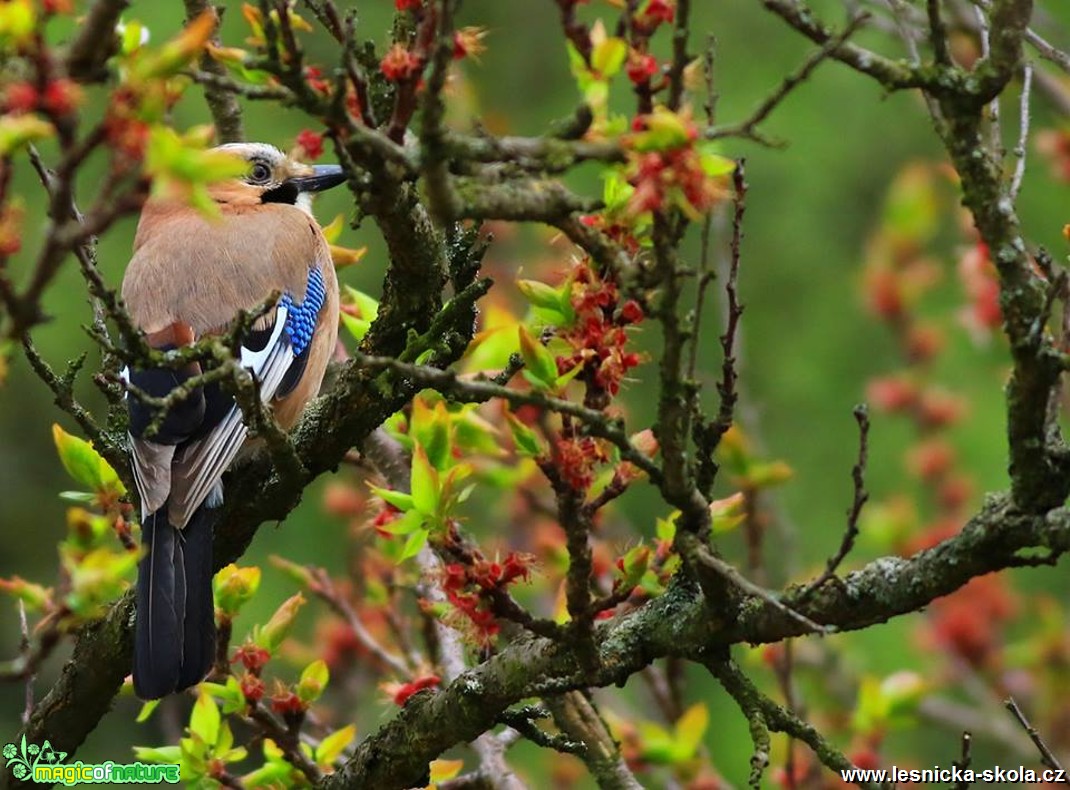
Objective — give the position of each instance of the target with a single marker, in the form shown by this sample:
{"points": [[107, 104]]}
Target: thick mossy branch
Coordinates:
{"points": [[679, 624]]}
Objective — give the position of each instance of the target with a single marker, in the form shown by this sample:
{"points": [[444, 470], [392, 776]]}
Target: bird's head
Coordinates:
{"points": [[274, 177]]}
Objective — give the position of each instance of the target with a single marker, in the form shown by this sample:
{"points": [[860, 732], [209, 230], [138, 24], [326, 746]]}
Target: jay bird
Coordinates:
{"points": [[191, 276]]}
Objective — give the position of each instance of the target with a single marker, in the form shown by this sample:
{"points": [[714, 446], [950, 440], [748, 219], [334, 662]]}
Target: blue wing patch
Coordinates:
{"points": [[301, 316]]}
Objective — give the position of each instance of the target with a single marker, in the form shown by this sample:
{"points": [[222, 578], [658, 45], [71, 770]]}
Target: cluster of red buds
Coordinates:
{"points": [[125, 132], [667, 168], [309, 145], [970, 622], [468, 588], [58, 98], [654, 13], [982, 315], [316, 80], [254, 659], [658, 172], [598, 336], [401, 692], [401, 64], [576, 460]]}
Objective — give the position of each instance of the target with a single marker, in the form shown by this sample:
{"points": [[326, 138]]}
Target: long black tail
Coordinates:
{"points": [[174, 643]]}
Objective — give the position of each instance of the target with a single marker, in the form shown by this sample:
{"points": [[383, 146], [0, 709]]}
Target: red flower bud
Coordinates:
{"points": [[310, 143], [641, 67], [20, 97]]}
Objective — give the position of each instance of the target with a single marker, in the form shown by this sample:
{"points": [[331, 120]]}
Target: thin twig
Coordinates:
{"points": [[861, 496], [995, 134], [1047, 757], [1021, 146], [748, 128], [24, 649], [729, 572], [964, 761]]}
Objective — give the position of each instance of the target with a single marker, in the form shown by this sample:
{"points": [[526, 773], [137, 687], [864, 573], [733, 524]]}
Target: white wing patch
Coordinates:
{"points": [[201, 464]]}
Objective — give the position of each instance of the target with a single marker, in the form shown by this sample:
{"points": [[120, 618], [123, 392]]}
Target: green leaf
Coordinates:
{"points": [[158, 754], [608, 56], [665, 528], [313, 681], [17, 131], [331, 747], [578, 66], [540, 363], [180, 51], [230, 694], [689, 729], [204, 720], [634, 562], [234, 586], [414, 544], [539, 294], [717, 166], [85, 464], [357, 327], [272, 634], [525, 440], [18, 20], [425, 485], [398, 499], [146, 710], [430, 429], [665, 131]]}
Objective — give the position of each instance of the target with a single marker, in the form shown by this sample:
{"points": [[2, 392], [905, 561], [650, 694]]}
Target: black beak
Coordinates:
{"points": [[323, 177]]}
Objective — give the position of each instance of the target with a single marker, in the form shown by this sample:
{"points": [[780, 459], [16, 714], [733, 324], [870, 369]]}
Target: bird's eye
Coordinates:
{"points": [[260, 173]]}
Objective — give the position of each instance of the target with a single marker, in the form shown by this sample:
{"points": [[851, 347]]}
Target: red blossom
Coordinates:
{"points": [[654, 13], [981, 283], [286, 703], [408, 5], [315, 79], [61, 97], [924, 342], [575, 460], [10, 229], [400, 64], [955, 492], [969, 621], [20, 97], [402, 692], [310, 144], [865, 758], [386, 515], [468, 43], [252, 688], [125, 133], [931, 459], [345, 501], [892, 394], [253, 658], [58, 6], [342, 645], [641, 67], [660, 175], [631, 312], [938, 408], [884, 293]]}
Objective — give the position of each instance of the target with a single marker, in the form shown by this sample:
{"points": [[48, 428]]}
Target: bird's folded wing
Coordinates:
{"points": [[201, 463]]}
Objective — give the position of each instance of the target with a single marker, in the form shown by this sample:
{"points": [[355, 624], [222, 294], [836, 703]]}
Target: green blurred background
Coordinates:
{"points": [[808, 346]]}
